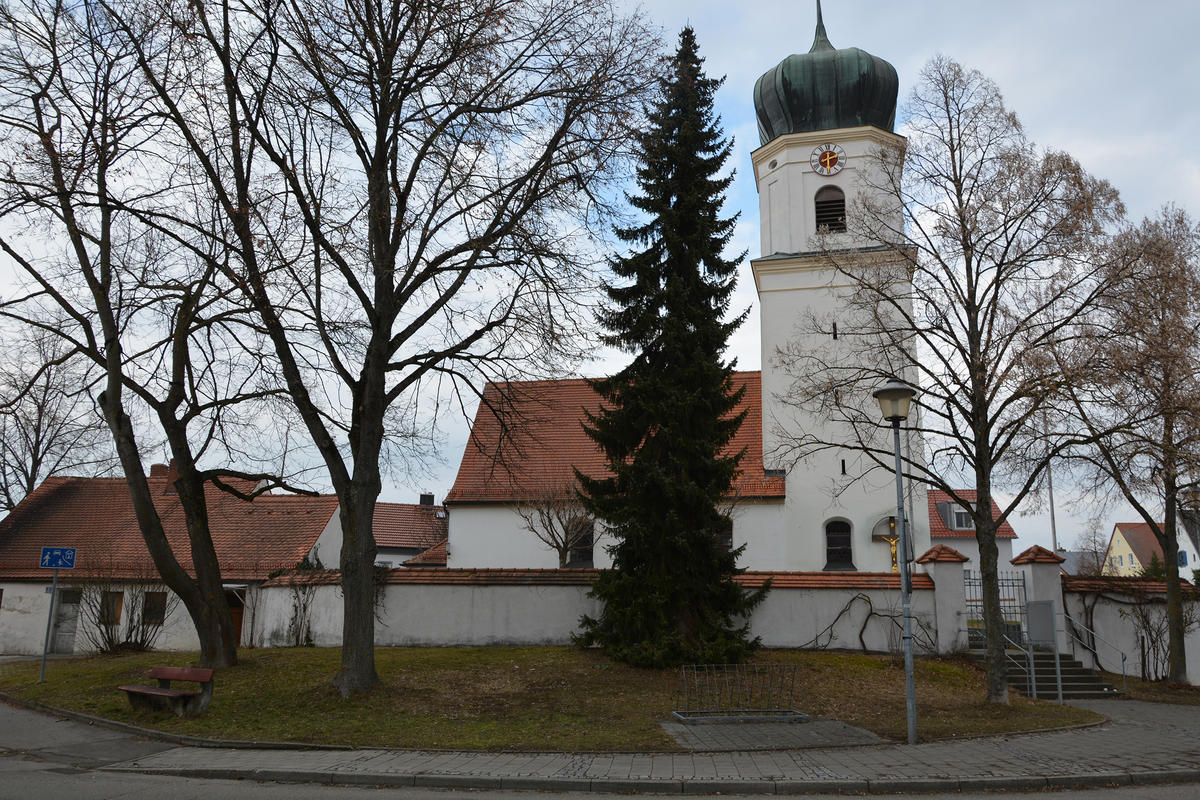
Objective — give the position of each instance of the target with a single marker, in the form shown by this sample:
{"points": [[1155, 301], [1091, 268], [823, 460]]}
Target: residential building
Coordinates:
{"points": [[113, 570], [1133, 547]]}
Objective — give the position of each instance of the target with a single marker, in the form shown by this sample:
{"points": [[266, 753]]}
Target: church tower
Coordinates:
{"points": [[821, 117]]}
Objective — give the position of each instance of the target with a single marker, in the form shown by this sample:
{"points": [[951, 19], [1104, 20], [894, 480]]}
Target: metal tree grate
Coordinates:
{"points": [[738, 692]]}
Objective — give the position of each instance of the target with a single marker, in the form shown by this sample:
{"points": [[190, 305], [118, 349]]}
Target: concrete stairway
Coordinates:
{"points": [[1079, 682]]}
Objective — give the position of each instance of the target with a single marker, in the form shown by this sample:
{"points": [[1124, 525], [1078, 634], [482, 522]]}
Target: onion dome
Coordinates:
{"points": [[825, 88]]}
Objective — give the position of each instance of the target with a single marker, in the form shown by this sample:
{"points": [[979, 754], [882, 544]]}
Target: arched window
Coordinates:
{"points": [[830, 205], [838, 554]]}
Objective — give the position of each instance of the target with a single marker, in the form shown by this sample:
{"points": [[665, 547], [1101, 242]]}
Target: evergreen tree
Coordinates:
{"points": [[666, 419]]}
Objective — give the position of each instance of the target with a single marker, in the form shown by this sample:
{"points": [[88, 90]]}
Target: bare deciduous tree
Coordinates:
{"points": [[86, 197], [1091, 545], [124, 606], [1141, 371], [405, 193], [48, 422], [554, 514], [997, 254]]}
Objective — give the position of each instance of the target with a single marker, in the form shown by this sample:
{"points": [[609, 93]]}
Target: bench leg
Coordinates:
{"points": [[179, 705], [146, 702]]}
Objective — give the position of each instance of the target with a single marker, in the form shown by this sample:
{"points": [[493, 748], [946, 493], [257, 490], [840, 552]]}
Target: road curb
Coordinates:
{"points": [[676, 786]]}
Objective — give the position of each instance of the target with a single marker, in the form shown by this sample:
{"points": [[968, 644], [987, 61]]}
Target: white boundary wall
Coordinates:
{"points": [[449, 613], [479, 614], [1110, 619]]}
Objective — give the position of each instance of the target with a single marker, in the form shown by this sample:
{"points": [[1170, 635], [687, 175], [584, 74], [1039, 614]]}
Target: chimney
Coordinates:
{"points": [[172, 476], [158, 470], [426, 499]]}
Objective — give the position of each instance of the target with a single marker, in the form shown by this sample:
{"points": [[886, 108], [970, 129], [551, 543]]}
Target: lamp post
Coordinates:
{"points": [[894, 398]]}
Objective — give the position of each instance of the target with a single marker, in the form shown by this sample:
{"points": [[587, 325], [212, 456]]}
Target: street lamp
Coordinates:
{"points": [[894, 399]]}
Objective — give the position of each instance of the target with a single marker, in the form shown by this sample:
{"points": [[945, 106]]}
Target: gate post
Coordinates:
{"points": [[944, 565], [1045, 581]]}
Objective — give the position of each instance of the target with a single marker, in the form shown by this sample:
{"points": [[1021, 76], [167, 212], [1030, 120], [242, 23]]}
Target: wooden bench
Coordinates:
{"points": [[163, 697]]}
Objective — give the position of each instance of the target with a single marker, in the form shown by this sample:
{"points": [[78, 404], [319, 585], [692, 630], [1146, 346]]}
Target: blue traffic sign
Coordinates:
{"points": [[58, 558]]}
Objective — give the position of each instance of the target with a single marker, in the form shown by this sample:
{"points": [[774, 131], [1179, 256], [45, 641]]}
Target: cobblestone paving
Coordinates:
{"points": [[1142, 738]]}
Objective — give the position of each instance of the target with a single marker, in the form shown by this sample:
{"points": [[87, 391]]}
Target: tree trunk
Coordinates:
{"points": [[993, 616], [358, 590], [216, 646], [1176, 655]]}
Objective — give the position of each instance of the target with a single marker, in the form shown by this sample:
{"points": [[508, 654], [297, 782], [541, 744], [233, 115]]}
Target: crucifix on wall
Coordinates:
{"points": [[892, 537]]}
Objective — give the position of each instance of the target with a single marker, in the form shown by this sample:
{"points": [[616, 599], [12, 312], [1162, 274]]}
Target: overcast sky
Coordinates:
{"points": [[1112, 83]]}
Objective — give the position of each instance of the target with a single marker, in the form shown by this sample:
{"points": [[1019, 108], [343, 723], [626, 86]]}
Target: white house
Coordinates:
{"points": [[115, 578], [950, 524]]}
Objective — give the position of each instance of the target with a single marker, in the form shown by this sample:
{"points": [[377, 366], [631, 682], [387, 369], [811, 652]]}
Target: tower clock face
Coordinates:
{"points": [[828, 159]]}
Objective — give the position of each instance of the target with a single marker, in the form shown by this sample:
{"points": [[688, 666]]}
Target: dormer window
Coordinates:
{"points": [[830, 205], [963, 521]]}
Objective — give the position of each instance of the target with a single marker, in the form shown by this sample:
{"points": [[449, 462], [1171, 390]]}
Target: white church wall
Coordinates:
{"points": [[779, 534], [762, 526], [328, 548], [483, 536], [495, 536], [790, 534]]}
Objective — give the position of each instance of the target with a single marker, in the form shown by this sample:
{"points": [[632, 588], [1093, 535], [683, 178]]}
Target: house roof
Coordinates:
{"points": [[1141, 539], [433, 557], [503, 464], [938, 529], [408, 525], [95, 515]]}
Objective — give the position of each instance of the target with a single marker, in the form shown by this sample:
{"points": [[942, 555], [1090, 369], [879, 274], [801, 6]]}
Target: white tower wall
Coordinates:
{"points": [[799, 293]]}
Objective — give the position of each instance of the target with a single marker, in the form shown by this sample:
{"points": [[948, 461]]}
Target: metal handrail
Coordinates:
{"points": [[1030, 675], [1092, 650]]}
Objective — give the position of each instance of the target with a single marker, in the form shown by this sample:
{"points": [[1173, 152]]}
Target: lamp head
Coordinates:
{"points": [[894, 398]]}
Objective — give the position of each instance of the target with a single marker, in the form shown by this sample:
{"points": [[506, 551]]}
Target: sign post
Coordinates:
{"points": [[54, 558]]}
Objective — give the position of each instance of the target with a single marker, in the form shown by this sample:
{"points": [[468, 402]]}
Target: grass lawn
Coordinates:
{"points": [[518, 698], [1156, 691]]}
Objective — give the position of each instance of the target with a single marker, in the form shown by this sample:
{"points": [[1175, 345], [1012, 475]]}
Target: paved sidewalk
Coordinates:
{"points": [[1144, 743]]}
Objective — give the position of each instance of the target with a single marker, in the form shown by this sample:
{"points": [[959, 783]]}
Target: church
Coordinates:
{"points": [[822, 115]]}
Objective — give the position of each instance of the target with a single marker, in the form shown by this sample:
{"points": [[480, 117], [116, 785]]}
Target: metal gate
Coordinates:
{"points": [[1012, 607]]}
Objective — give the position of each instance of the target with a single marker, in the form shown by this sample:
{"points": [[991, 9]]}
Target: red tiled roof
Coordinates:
{"points": [[95, 515], [503, 465], [832, 580], [433, 557], [938, 528], [1037, 555], [1120, 584], [941, 554], [585, 577], [408, 525], [1142, 540], [441, 575]]}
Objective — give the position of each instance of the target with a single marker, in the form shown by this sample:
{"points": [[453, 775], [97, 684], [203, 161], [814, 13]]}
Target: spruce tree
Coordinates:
{"points": [[667, 417]]}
